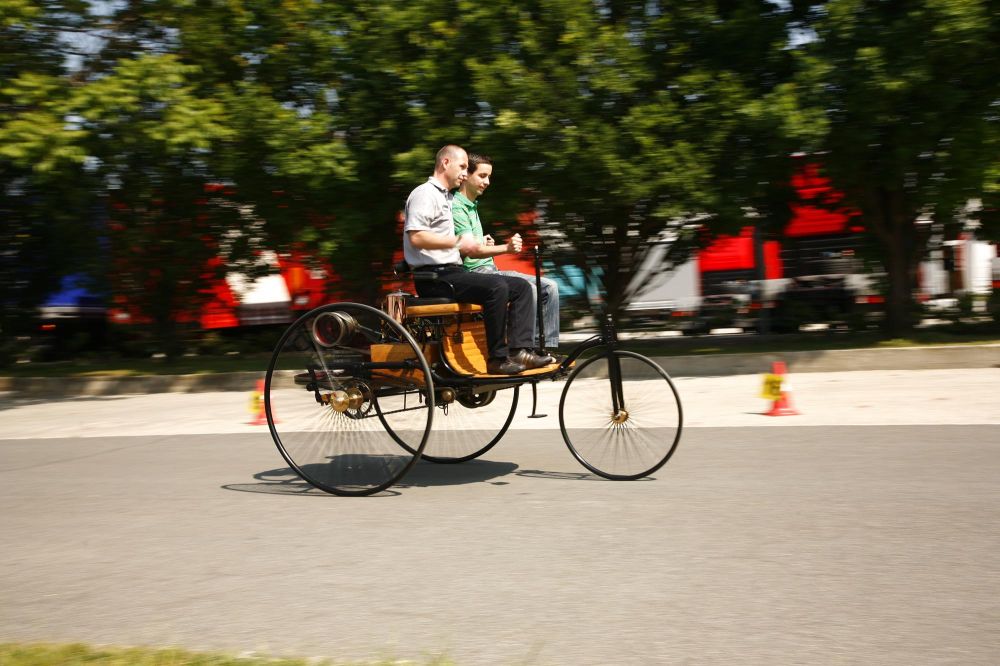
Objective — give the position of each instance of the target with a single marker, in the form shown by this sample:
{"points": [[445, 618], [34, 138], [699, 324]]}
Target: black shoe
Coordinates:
{"points": [[503, 366], [530, 359]]}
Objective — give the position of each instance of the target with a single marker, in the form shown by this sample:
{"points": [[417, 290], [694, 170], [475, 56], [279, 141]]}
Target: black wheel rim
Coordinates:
{"points": [[461, 432], [342, 448], [624, 441]]}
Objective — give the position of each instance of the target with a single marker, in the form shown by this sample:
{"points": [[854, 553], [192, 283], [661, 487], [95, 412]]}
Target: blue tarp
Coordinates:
{"points": [[73, 292]]}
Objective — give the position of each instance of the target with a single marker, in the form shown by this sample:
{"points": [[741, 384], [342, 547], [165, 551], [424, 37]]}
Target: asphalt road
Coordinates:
{"points": [[821, 544]]}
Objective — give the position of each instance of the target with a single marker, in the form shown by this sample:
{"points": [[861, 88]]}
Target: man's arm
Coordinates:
{"points": [[429, 240], [482, 250], [417, 225], [479, 248]]}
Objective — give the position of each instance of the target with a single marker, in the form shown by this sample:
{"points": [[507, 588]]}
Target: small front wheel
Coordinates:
{"points": [[620, 415]]}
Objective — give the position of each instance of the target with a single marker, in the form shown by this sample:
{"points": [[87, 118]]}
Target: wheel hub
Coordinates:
{"points": [[620, 417], [352, 401]]}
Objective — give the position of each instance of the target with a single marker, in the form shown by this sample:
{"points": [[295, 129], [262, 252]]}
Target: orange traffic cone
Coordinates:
{"points": [[776, 387], [257, 405]]}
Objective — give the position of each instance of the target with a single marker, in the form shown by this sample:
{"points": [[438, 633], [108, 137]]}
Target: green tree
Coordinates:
{"points": [[180, 98], [46, 205], [273, 69], [150, 139], [616, 123], [909, 96], [319, 107], [623, 122], [402, 91]]}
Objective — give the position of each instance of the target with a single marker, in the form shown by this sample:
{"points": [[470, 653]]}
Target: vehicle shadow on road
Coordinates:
{"points": [[425, 473], [559, 476], [284, 480], [278, 481]]}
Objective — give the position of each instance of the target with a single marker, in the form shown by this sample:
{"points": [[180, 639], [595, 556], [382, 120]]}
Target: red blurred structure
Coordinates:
{"points": [[810, 271]]}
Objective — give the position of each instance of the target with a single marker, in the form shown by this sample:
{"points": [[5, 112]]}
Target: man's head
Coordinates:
{"points": [[479, 173], [450, 166]]}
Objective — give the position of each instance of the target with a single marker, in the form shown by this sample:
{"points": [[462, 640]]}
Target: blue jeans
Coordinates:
{"points": [[550, 303]]}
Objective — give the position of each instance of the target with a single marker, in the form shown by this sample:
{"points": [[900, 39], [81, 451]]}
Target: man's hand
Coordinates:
{"points": [[488, 240], [514, 244]]}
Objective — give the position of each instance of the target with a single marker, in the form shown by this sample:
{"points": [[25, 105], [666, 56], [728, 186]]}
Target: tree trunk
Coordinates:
{"points": [[899, 319], [896, 230]]}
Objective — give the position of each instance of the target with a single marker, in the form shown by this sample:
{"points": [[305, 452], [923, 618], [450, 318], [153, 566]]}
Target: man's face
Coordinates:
{"points": [[479, 179], [455, 169]]}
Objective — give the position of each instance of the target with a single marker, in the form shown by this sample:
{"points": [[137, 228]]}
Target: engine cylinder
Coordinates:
{"points": [[330, 329]]}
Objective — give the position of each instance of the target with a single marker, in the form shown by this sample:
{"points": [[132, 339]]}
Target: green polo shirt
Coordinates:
{"points": [[466, 216]]}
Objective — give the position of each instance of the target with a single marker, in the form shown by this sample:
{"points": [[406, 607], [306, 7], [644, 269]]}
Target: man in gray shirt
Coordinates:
{"points": [[430, 244]]}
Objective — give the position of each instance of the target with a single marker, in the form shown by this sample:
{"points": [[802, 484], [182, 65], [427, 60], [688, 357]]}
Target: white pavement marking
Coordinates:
{"points": [[876, 397]]}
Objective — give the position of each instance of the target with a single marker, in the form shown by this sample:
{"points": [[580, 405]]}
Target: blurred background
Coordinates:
{"points": [[186, 176]]}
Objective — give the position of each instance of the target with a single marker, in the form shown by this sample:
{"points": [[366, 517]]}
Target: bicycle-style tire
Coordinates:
{"points": [[326, 371], [621, 429], [462, 432]]}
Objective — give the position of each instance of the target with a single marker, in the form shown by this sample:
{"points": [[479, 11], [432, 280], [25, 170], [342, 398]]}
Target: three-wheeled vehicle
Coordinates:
{"points": [[355, 395]]}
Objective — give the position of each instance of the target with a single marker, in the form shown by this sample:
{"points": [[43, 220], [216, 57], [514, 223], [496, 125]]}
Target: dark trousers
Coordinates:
{"points": [[508, 306]]}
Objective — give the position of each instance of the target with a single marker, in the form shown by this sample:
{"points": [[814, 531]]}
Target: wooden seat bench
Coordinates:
{"points": [[442, 309]]}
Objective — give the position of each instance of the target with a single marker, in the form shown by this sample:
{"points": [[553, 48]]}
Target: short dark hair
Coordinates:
{"points": [[475, 159]]}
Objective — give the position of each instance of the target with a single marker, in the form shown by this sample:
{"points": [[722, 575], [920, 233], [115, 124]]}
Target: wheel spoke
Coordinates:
{"points": [[320, 400], [464, 428], [620, 415]]}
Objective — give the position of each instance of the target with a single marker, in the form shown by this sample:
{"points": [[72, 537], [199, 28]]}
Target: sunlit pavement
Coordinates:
{"points": [[792, 545], [876, 397]]}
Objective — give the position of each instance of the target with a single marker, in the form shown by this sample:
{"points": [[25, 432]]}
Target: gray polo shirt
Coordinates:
{"points": [[428, 208]]}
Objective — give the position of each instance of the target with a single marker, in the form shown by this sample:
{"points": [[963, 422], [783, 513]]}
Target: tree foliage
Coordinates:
{"points": [[41, 236], [612, 124], [625, 121], [911, 109]]}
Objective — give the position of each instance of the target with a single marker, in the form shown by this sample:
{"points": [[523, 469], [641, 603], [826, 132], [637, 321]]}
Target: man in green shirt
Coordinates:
{"points": [[465, 212]]}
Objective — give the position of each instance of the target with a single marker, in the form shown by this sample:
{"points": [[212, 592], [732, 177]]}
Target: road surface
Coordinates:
{"points": [[863, 531]]}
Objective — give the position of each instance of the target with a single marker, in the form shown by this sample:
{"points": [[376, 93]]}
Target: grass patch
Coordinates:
{"points": [[15, 654]]}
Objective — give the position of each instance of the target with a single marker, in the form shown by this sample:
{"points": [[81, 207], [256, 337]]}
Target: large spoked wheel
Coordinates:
{"points": [[325, 376], [467, 422], [620, 415]]}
